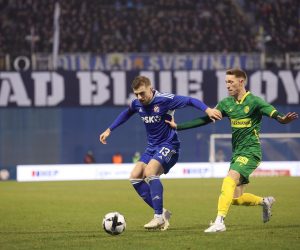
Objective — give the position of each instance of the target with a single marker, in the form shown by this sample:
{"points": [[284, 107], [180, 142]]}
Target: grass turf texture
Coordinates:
{"points": [[68, 215]]}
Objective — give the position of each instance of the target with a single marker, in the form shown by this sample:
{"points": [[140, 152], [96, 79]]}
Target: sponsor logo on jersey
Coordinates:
{"points": [[156, 109], [241, 123], [242, 159], [151, 119], [246, 109]]}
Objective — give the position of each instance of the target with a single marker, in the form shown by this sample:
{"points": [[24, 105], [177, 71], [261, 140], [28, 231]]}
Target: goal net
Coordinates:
{"points": [[275, 147]]}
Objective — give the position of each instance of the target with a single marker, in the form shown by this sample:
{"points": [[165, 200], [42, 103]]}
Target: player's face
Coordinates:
{"points": [[234, 85], [144, 94]]}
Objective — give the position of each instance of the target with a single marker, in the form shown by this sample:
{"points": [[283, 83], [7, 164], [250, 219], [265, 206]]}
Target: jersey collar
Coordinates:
{"points": [[154, 95], [243, 98]]}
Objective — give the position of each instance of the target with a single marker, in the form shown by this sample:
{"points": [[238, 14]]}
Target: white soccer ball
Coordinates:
{"points": [[114, 223]]}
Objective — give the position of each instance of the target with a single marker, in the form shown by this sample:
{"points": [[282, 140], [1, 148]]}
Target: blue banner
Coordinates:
{"points": [[112, 88]]}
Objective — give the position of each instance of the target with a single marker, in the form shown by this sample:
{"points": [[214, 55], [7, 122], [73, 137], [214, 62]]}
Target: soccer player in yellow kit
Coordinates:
{"points": [[245, 112]]}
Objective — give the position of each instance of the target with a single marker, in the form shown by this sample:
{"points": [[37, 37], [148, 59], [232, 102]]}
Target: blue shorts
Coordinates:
{"points": [[167, 155]]}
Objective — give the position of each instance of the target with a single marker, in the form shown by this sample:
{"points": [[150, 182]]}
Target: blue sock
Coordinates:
{"points": [[156, 189], [143, 190]]}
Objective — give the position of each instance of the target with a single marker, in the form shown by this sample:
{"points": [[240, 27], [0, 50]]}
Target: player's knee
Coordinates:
{"points": [[135, 176], [137, 172], [153, 172], [148, 173], [234, 175], [236, 195]]}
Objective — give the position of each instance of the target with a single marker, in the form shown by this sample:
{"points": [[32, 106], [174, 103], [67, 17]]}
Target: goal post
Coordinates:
{"points": [[276, 136]]}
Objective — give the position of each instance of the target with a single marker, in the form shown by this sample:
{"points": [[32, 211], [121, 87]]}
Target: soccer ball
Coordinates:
{"points": [[114, 223]]}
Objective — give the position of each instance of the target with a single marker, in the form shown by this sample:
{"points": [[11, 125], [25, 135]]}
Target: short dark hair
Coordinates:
{"points": [[237, 73], [139, 81]]}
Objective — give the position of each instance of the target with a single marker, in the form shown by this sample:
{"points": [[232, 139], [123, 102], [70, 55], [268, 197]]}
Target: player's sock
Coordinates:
{"points": [[247, 199], [156, 189], [159, 216], [226, 196], [220, 219], [143, 189]]}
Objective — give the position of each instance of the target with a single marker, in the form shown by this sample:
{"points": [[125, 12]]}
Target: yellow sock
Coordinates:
{"points": [[226, 196], [247, 199]]}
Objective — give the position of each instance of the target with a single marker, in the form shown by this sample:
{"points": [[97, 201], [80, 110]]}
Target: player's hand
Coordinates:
{"points": [[104, 135], [172, 123], [290, 116], [213, 114]]}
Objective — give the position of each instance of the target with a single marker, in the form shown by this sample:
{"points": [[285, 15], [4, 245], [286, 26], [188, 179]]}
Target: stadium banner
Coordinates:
{"points": [[133, 61], [100, 88], [163, 61], [69, 172], [283, 61], [150, 61]]}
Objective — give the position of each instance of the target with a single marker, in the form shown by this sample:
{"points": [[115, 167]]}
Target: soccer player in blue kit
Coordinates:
{"points": [[162, 151]]}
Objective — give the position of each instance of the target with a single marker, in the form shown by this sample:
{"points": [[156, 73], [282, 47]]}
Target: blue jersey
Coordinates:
{"points": [[153, 115]]}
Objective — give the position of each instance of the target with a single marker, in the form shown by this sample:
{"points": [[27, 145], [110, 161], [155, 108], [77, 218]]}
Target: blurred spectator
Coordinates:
{"points": [[89, 157], [136, 157], [4, 175], [117, 158], [102, 26], [220, 156]]}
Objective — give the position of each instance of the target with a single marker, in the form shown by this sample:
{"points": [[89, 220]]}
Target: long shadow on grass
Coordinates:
{"points": [[50, 232], [235, 227], [232, 227], [58, 234]]}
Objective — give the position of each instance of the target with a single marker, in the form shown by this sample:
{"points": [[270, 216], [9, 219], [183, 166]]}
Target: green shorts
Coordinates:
{"points": [[245, 165]]}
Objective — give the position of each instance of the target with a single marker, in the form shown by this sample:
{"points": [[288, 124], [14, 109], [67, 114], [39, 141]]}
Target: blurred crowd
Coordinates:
{"points": [[102, 26], [276, 22]]}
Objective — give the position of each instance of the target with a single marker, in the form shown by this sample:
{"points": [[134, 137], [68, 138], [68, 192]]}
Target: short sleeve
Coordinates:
{"points": [[265, 108]]}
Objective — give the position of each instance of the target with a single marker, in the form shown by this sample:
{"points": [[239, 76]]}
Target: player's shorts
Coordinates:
{"points": [[245, 165], [167, 155]]}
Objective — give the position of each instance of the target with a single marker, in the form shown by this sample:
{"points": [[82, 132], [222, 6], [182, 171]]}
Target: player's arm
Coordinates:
{"points": [[183, 101], [201, 121], [198, 122], [122, 117], [269, 110]]}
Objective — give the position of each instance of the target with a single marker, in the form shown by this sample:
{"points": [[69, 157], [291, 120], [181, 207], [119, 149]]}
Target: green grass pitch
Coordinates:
{"points": [[68, 215]]}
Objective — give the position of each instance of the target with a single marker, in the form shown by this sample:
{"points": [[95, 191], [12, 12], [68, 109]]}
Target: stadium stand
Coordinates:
{"points": [[278, 20], [150, 26]]}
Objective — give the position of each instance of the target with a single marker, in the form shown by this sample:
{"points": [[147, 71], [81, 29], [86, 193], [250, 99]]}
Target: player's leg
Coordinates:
{"points": [[240, 169], [247, 199], [227, 193], [162, 162], [152, 172], [245, 166], [139, 184]]}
